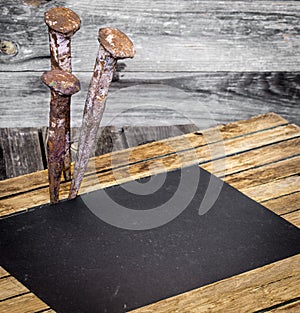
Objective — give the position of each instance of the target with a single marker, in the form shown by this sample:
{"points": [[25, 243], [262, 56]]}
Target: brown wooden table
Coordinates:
{"points": [[262, 157]]}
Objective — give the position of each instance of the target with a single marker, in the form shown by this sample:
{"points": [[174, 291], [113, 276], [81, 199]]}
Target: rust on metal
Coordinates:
{"points": [[62, 82], [62, 85], [62, 23], [114, 45], [62, 20]]}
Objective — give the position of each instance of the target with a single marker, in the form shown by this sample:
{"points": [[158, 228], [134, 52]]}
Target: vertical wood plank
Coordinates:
{"points": [[145, 134], [21, 151], [108, 139]]}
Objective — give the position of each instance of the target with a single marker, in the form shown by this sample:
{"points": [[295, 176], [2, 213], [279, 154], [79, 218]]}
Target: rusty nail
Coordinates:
{"points": [[114, 45], [63, 85], [62, 24]]}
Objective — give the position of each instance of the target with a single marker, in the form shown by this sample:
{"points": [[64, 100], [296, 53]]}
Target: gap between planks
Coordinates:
{"points": [[235, 129], [247, 292], [107, 178], [268, 301]]}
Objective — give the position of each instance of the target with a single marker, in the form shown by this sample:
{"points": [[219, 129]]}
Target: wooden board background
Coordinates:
{"points": [[201, 62]]}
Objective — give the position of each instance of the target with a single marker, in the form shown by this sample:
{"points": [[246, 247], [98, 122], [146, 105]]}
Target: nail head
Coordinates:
{"points": [[62, 20], [62, 82], [116, 43]]}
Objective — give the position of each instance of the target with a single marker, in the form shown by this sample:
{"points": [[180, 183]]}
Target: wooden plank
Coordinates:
{"points": [[284, 204], [248, 292], [168, 35], [108, 139], [10, 287], [288, 308], [143, 157], [23, 304], [204, 99], [265, 174], [139, 135], [3, 272], [293, 217], [258, 157], [273, 189], [255, 124], [21, 151]]}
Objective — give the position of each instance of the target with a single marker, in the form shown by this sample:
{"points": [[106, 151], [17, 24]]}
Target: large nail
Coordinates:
{"points": [[63, 85], [62, 24], [114, 45]]}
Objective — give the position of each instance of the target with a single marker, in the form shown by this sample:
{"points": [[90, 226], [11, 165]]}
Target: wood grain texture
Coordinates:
{"points": [[264, 174], [254, 158], [247, 292], [284, 204], [113, 168], [155, 149], [273, 189], [21, 151], [3, 272], [267, 140], [10, 287], [107, 139], [27, 303], [293, 217], [288, 308], [153, 99], [169, 35], [139, 135]]}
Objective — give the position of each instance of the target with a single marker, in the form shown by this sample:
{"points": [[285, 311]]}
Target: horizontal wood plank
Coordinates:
{"points": [[137, 99], [284, 204], [255, 124], [265, 174], [260, 289], [168, 35], [3, 272], [293, 217], [248, 292], [10, 287], [273, 189], [23, 304], [253, 158], [288, 308], [142, 159]]}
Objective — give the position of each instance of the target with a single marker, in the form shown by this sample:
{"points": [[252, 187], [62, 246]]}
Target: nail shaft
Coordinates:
{"points": [[62, 25], [62, 85], [56, 142], [93, 112], [114, 45]]}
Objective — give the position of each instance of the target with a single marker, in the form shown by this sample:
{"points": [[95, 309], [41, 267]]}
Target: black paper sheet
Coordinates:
{"points": [[78, 259]]}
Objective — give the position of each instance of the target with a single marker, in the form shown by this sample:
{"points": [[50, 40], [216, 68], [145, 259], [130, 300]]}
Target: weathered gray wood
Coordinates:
{"points": [[138, 99], [145, 134], [108, 139], [168, 35], [21, 151]]}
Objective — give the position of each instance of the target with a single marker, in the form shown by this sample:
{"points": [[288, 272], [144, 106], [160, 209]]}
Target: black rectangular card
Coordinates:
{"points": [[124, 247]]}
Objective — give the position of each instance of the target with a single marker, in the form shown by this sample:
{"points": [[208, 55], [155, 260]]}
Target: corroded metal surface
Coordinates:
{"points": [[62, 85], [114, 45], [62, 20], [63, 23]]}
